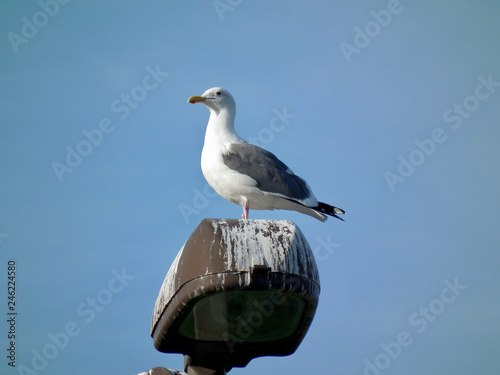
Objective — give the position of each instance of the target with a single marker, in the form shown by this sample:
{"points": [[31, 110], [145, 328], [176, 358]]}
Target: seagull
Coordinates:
{"points": [[246, 174]]}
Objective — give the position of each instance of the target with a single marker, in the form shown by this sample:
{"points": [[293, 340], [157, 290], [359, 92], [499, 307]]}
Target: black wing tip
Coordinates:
{"points": [[330, 210], [338, 217]]}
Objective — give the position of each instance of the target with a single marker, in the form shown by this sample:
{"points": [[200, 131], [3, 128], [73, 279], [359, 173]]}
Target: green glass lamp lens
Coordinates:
{"points": [[244, 316]]}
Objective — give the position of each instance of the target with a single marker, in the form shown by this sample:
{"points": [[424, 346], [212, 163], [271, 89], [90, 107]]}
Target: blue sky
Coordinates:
{"points": [[401, 131]]}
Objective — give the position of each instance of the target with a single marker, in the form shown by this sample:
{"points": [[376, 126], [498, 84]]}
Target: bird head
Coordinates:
{"points": [[216, 99]]}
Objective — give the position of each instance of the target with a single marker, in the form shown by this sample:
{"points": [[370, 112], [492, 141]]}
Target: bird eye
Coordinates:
{"points": [[218, 92]]}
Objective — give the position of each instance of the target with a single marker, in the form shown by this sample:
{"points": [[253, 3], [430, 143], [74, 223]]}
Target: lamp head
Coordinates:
{"points": [[238, 289]]}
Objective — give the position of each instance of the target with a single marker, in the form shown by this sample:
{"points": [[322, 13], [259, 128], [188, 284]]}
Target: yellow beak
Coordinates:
{"points": [[196, 99]]}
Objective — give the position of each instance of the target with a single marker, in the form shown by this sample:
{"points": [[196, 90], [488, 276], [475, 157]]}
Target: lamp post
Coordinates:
{"points": [[237, 290]]}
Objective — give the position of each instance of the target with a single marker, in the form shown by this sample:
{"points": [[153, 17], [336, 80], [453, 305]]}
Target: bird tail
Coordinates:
{"points": [[329, 210]]}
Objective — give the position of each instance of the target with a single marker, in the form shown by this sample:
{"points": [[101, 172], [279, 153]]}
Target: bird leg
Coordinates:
{"points": [[245, 211]]}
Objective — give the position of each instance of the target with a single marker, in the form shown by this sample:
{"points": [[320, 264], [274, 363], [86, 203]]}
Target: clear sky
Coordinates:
{"points": [[390, 110]]}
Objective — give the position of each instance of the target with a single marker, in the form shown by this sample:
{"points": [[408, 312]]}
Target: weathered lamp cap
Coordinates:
{"points": [[238, 289]]}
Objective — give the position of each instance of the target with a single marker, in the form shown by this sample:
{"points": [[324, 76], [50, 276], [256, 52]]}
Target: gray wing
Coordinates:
{"points": [[271, 174]]}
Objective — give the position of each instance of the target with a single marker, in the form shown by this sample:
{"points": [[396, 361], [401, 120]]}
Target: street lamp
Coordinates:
{"points": [[237, 290]]}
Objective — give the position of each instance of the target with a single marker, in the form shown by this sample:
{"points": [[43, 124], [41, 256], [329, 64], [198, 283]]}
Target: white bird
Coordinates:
{"points": [[246, 174]]}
